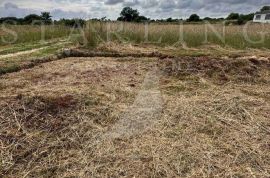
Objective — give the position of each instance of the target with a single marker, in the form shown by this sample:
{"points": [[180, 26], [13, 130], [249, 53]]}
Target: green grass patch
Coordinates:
{"points": [[9, 69]]}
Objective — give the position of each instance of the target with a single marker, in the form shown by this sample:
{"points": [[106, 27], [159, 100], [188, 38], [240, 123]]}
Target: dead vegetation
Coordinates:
{"points": [[223, 130], [53, 112], [214, 120], [240, 69]]}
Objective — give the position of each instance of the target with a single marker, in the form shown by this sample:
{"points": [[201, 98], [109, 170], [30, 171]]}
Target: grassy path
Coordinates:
{"points": [[18, 59], [21, 53], [144, 112], [30, 51]]}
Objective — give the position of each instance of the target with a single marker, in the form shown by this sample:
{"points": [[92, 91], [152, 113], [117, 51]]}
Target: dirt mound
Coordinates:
{"points": [[223, 70]]}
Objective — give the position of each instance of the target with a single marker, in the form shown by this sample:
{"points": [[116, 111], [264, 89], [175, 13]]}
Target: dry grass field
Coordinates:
{"points": [[137, 109], [18, 34], [246, 36], [251, 35]]}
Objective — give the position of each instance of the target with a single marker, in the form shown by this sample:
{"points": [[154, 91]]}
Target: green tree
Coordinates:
{"points": [[141, 19], [169, 20], [207, 18], [128, 14], [46, 17], [241, 20], [76, 23], [233, 16], [103, 18], [194, 18], [29, 19], [248, 17], [11, 20], [265, 8]]}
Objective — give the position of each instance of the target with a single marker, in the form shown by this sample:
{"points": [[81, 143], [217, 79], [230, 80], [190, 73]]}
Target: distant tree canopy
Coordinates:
{"points": [[247, 17], [213, 20], [127, 14], [172, 20], [72, 22], [35, 19], [265, 8], [11, 20], [240, 18], [31, 18], [131, 15], [233, 16], [207, 18], [46, 17], [194, 18]]}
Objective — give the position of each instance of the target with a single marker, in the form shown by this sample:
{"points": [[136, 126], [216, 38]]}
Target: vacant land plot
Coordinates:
{"points": [[195, 117], [138, 104]]}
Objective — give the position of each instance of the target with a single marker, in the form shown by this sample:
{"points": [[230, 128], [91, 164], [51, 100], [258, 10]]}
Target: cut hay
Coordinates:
{"points": [[54, 115]]}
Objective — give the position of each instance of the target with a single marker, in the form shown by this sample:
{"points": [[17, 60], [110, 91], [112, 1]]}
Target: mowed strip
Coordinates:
{"points": [[52, 117], [85, 94]]}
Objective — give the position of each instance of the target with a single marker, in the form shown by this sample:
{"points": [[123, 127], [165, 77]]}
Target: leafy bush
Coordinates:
{"points": [[11, 20], [194, 18], [29, 19], [76, 23], [131, 15], [44, 18], [128, 14], [240, 19], [233, 16], [265, 8]]}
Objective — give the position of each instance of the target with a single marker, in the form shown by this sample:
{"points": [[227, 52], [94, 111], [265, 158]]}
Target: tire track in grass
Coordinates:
{"points": [[21, 53], [143, 114], [29, 51]]}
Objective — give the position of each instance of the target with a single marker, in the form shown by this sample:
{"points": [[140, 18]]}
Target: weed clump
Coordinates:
{"points": [[9, 69]]}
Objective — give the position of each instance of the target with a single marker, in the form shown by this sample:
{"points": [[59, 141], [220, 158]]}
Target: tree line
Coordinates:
{"points": [[44, 18], [127, 14], [132, 15]]}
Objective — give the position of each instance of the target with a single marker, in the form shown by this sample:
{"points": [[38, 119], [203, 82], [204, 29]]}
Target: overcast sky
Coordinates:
{"points": [[111, 8]]}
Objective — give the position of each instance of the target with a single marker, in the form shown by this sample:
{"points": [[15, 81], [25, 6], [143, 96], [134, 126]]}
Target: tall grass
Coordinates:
{"points": [[192, 35], [16, 34]]}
